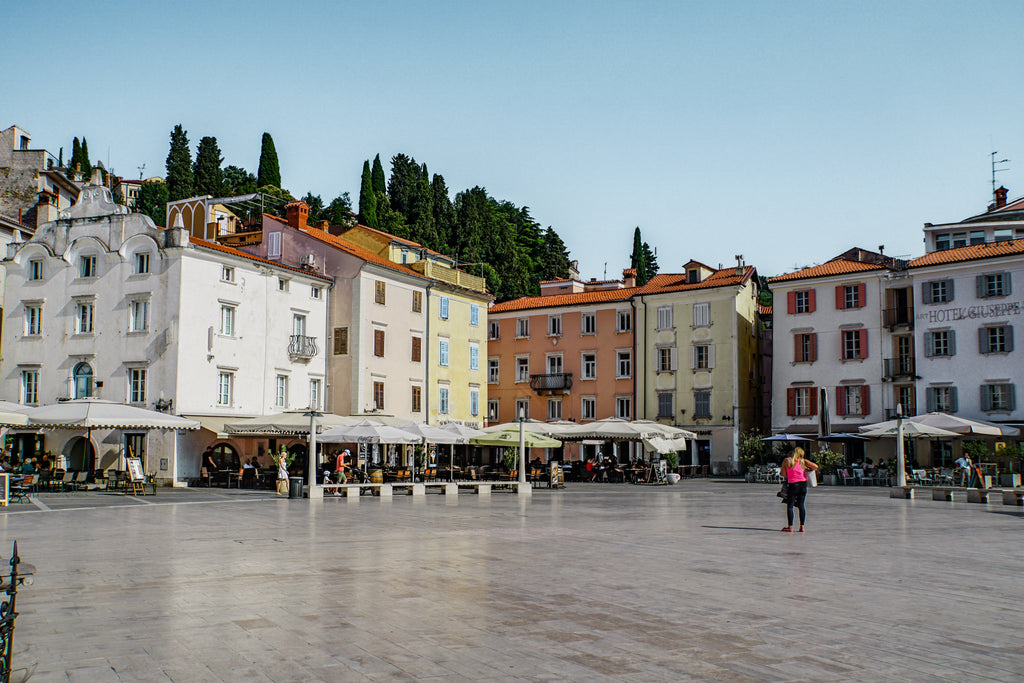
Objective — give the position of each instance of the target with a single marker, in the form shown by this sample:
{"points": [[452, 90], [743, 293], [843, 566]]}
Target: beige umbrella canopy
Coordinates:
{"points": [[291, 422], [617, 429], [910, 430], [13, 414], [366, 431], [962, 425], [94, 413], [510, 437], [554, 429], [462, 431]]}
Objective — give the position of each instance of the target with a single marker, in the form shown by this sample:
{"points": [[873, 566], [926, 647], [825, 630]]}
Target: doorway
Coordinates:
{"points": [[80, 455]]}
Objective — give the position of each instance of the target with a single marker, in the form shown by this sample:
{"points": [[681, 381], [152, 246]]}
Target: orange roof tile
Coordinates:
{"points": [[970, 253], [833, 267], [764, 310], [241, 254], [401, 240], [677, 282], [577, 299]]}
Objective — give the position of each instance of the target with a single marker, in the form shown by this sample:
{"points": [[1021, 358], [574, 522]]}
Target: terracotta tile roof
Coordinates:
{"points": [[241, 254], [400, 240], [970, 253], [578, 299], [676, 282], [764, 310], [833, 267]]}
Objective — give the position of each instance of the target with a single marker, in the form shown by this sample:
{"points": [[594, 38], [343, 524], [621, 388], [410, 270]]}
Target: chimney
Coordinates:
{"points": [[324, 225], [1001, 197], [297, 213], [739, 265], [629, 277]]}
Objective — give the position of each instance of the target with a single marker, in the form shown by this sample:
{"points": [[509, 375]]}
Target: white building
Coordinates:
{"points": [[101, 302]]}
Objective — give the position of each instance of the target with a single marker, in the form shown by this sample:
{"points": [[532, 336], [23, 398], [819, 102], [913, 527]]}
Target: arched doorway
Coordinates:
{"points": [[226, 457], [80, 455], [300, 463], [83, 380]]}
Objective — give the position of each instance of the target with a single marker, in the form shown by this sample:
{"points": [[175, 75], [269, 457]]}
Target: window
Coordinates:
{"points": [[855, 344], [942, 241], [314, 393], [692, 275], [82, 376], [83, 318], [664, 317], [378, 396], [379, 292], [801, 401], [588, 408], [1002, 234], [939, 343], [907, 397], [474, 402], [314, 292], [554, 409], [417, 399], [523, 369], [35, 269], [554, 325], [33, 320], [139, 316], [666, 358], [405, 256], [227, 321], [978, 237], [29, 387], [474, 314], [282, 284], [998, 398], [442, 403], [474, 356], [523, 408], [941, 399], [378, 343], [853, 400], [702, 404], [281, 398], [555, 364], [805, 347], [800, 302], [959, 239], [227, 274], [417, 349], [417, 302], [937, 291], [492, 410], [443, 308], [624, 362], [624, 321], [493, 330], [702, 357], [995, 339], [993, 284], [87, 266], [225, 388], [588, 323], [340, 341], [665, 404], [589, 364], [141, 263], [274, 245], [701, 315], [624, 407], [522, 328], [493, 370], [299, 326], [442, 349]]}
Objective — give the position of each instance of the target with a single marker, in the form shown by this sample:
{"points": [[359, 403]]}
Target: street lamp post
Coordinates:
{"points": [[522, 447], [901, 472], [314, 490]]}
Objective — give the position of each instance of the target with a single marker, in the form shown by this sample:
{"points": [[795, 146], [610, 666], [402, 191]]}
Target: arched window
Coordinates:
{"points": [[226, 457], [83, 380]]}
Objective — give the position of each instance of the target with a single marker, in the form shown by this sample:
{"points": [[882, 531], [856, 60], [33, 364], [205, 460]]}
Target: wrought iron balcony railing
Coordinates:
{"points": [[898, 367], [300, 347], [898, 317], [560, 381]]}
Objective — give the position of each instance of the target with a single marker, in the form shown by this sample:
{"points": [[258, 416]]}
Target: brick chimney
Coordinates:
{"points": [[1001, 197], [629, 277], [297, 213]]}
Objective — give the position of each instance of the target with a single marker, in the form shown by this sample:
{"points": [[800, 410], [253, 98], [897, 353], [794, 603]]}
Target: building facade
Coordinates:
{"points": [[33, 190]]}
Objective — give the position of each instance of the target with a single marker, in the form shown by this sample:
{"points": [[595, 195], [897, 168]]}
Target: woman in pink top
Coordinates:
{"points": [[794, 469]]}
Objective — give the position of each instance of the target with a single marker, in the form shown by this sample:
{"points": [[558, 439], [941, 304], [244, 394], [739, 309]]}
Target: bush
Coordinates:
{"points": [[672, 459], [828, 461]]}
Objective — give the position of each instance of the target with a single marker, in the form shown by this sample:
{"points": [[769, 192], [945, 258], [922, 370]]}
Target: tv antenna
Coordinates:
{"points": [[143, 168], [997, 170]]}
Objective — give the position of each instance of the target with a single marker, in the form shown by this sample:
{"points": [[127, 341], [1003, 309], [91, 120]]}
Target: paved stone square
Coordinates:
{"points": [[596, 582]]}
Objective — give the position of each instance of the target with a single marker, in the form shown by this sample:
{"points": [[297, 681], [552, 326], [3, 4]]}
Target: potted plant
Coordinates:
{"points": [[828, 462], [752, 450]]}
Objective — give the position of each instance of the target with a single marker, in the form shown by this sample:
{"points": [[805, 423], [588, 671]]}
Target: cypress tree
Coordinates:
{"points": [[207, 174], [650, 263], [636, 259], [367, 199], [444, 214], [269, 172], [180, 182], [86, 166], [379, 183], [76, 156]]}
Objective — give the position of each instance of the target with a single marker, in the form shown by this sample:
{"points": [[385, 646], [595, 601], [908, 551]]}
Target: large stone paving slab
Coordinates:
{"points": [[597, 582]]}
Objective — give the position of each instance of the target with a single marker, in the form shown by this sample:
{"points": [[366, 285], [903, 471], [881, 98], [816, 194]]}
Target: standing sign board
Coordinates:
{"points": [[555, 478], [136, 478]]}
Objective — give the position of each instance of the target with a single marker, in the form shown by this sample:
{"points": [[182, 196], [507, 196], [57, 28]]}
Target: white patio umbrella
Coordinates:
{"points": [[910, 430], [13, 414], [431, 434], [291, 422], [962, 425], [612, 429], [662, 444], [554, 429], [367, 432], [670, 431], [462, 430], [517, 435]]}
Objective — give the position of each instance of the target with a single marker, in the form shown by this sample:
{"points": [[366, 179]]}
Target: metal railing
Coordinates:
{"points": [[902, 316], [9, 582], [553, 382], [301, 347], [898, 367]]}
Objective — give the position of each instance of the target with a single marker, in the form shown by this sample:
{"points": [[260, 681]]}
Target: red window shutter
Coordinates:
{"points": [[840, 297], [863, 343], [862, 293], [810, 300], [814, 346], [865, 400], [814, 400], [791, 401], [791, 302], [840, 400]]}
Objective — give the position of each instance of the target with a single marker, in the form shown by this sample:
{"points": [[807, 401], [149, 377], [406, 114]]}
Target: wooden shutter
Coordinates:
{"points": [[1011, 396], [926, 292], [986, 397], [417, 346], [798, 344], [951, 336], [810, 301], [813, 393], [340, 341], [840, 400], [840, 297], [953, 405], [1009, 337], [791, 302], [814, 346], [675, 359], [865, 400], [693, 357], [1007, 290], [983, 346], [711, 356], [929, 347], [980, 283], [931, 399], [863, 343], [791, 401], [862, 295], [378, 342], [949, 290]]}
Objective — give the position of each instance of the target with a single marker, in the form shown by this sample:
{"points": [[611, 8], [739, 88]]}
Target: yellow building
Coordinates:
{"points": [[698, 361]]}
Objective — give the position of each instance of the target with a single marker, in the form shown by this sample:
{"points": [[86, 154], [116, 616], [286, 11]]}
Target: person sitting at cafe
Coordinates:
{"points": [[208, 461], [27, 466]]}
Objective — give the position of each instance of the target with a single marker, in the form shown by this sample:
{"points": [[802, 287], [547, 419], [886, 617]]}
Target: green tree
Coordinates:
{"points": [[650, 263], [316, 208], [554, 257], [269, 172], [275, 199], [209, 178], [339, 211], [180, 182], [152, 201], [377, 176], [367, 199], [636, 259], [402, 185], [76, 157], [444, 213], [238, 181], [86, 165]]}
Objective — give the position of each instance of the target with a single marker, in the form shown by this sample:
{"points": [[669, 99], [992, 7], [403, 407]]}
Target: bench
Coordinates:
{"points": [[1013, 496], [943, 493], [981, 495]]}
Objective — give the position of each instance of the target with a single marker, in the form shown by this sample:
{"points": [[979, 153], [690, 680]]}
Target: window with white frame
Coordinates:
{"points": [[554, 409], [315, 292], [83, 317], [29, 387], [225, 388], [378, 395], [283, 284], [623, 364], [555, 366], [588, 323], [802, 401], [281, 400], [523, 408], [522, 328], [227, 274], [315, 391], [474, 314], [802, 301], [588, 407], [993, 285], [493, 329], [996, 339], [443, 308], [33, 320], [702, 404], [998, 397], [852, 344], [854, 401], [554, 325], [624, 321], [227, 320], [703, 357], [298, 325], [87, 266], [588, 363], [941, 399], [474, 402], [851, 297], [664, 317], [522, 368], [137, 385], [939, 343], [667, 358], [492, 410], [442, 403], [138, 315], [624, 407], [141, 263], [474, 356], [442, 352], [35, 269], [666, 404], [702, 314], [937, 291], [493, 370]]}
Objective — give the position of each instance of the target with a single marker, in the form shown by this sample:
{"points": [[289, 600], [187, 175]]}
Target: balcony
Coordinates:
{"points": [[301, 348], [898, 317], [561, 381], [893, 368]]}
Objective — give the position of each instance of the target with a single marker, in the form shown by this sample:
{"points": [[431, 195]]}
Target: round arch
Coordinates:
{"points": [[79, 454], [226, 457], [83, 383]]}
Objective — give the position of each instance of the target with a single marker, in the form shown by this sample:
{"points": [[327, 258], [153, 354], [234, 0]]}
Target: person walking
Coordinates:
{"points": [[282, 472], [795, 468]]}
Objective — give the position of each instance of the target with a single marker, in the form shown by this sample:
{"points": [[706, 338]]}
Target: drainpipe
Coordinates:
{"points": [[637, 391], [426, 358]]}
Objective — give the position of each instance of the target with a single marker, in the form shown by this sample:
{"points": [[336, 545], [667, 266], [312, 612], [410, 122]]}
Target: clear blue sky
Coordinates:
{"points": [[785, 131]]}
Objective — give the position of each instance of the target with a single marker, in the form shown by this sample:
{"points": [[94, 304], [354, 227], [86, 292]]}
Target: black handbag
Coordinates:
{"points": [[784, 491]]}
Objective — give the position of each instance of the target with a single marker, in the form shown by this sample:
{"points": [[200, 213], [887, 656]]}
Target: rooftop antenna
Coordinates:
{"points": [[141, 169], [997, 170], [605, 271]]}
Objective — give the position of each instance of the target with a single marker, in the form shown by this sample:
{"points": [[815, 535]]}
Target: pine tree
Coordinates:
{"points": [[405, 175], [152, 201], [208, 176], [377, 176], [367, 199], [76, 157], [339, 211], [650, 263], [238, 181], [444, 213], [86, 166], [636, 259], [316, 208], [180, 182], [269, 172]]}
